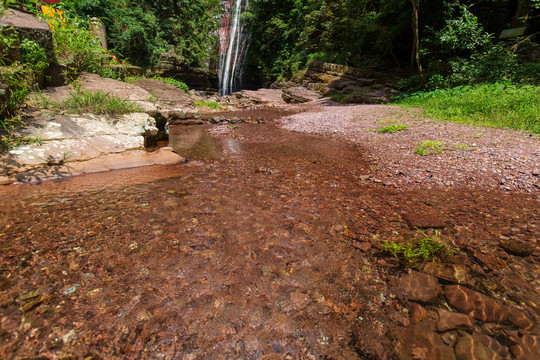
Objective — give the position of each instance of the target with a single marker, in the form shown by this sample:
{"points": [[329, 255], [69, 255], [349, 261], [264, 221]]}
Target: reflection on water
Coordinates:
{"points": [[194, 143]]}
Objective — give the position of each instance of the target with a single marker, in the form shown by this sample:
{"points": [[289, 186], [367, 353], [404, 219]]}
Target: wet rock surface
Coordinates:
{"points": [[267, 244]]}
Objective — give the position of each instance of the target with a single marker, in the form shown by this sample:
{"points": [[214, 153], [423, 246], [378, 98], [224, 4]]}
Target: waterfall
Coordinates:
{"points": [[234, 41]]}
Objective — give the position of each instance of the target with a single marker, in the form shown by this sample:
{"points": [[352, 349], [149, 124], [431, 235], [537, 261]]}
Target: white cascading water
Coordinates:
{"points": [[233, 47]]}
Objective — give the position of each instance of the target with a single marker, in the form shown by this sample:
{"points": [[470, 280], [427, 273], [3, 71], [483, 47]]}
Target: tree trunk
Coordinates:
{"points": [[415, 55], [522, 12]]}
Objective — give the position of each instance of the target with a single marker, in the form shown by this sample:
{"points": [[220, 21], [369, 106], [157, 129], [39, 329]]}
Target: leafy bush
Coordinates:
{"points": [[415, 252], [100, 103], [78, 47], [497, 105]]}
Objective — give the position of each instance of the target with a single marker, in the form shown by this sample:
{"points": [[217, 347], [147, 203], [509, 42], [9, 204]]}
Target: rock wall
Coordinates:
{"points": [[356, 85]]}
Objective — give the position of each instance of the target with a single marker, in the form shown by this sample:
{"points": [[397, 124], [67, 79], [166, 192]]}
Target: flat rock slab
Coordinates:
{"points": [[168, 93], [131, 92], [450, 320], [79, 138], [451, 272], [20, 19], [125, 160], [274, 96], [299, 95]]}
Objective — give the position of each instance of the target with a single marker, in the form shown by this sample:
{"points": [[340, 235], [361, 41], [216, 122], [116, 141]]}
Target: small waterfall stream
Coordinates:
{"points": [[234, 41]]}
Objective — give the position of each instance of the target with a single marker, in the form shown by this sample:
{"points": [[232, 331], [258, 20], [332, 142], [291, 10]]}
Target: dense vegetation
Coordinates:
{"points": [[141, 30], [457, 42], [501, 105], [433, 45]]}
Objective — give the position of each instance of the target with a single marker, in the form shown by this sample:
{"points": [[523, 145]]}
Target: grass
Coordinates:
{"points": [[99, 103], [207, 104], [412, 253], [394, 128], [430, 147], [495, 105], [9, 141], [132, 79], [179, 84]]}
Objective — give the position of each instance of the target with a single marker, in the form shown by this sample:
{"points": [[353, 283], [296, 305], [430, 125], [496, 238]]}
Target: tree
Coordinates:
{"points": [[415, 56]]}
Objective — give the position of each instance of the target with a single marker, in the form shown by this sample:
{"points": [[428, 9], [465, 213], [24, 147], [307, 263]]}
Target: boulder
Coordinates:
{"points": [[27, 26], [299, 95]]}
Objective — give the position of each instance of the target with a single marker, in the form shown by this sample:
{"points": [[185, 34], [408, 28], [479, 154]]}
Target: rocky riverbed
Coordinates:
{"points": [[269, 244]]}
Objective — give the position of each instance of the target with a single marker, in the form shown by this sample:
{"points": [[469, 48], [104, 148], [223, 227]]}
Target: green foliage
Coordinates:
{"points": [[132, 79], [141, 30], [77, 46], [9, 140], [100, 103], [463, 53], [413, 253], [339, 98], [179, 84], [207, 104], [392, 128], [430, 147], [498, 105], [34, 55]]}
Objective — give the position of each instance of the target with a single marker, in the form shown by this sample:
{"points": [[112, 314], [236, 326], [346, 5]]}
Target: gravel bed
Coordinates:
{"points": [[472, 156]]}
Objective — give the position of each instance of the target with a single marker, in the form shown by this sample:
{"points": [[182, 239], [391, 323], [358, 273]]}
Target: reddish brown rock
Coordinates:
{"points": [[477, 305], [450, 320], [519, 319], [424, 220], [492, 262], [450, 272], [468, 348], [416, 313], [492, 344], [527, 348], [420, 287], [422, 343], [517, 247]]}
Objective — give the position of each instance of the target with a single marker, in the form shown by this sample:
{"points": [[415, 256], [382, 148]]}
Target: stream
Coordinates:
{"points": [[262, 246]]}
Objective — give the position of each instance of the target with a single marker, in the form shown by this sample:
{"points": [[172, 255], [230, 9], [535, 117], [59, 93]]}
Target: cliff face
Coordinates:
{"points": [[233, 44]]}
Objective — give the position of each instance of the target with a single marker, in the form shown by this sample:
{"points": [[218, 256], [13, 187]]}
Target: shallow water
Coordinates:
{"points": [[250, 251]]}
